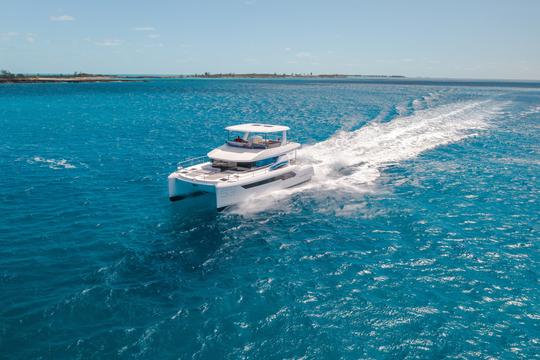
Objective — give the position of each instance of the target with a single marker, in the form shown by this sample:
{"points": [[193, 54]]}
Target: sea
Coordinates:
{"points": [[418, 236]]}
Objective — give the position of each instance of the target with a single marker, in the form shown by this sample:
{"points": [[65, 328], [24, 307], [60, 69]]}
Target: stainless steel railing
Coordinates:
{"points": [[191, 161], [230, 177]]}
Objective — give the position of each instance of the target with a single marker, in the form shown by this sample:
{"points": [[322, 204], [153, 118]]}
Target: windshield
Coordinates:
{"points": [[254, 140]]}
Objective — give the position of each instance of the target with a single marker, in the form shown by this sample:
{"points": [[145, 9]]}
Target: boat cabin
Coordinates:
{"points": [[254, 146]]}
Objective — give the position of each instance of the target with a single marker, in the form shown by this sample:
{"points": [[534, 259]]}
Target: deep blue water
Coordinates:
{"points": [[417, 238]]}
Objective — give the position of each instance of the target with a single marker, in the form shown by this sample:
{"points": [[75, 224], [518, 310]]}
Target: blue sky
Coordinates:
{"points": [[463, 39]]}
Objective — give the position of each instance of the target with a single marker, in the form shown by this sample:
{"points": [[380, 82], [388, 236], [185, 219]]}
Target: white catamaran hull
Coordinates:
{"points": [[230, 193]]}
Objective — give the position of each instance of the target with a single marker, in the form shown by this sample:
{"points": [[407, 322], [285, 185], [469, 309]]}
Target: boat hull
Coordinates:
{"points": [[180, 189], [227, 194]]}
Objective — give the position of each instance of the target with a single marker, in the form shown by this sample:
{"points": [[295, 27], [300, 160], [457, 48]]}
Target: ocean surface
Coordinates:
{"points": [[417, 238]]}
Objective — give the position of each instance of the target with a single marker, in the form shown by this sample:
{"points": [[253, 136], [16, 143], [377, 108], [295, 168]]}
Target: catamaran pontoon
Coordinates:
{"points": [[257, 159]]}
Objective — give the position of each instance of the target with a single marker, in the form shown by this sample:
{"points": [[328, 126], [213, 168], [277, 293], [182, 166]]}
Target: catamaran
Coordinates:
{"points": [[255, 159]]}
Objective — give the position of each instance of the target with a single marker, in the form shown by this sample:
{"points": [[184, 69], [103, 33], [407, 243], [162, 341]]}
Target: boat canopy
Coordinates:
{"points": [[257, 128]]}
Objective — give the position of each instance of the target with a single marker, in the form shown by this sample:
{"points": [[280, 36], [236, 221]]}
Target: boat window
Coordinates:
{"points": [[223, 164], [246, 165], [257, 164], [237, 137], [266, 162], [254, 140]]}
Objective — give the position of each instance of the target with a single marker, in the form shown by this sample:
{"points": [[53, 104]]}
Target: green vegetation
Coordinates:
{"points": [[9, 75], [5, 74]]}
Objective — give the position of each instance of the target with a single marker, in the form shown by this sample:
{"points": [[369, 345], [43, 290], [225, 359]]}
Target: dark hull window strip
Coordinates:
{"points": [[285, 176], [182, 197]]}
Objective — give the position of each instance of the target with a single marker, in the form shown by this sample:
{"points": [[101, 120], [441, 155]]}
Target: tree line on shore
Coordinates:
{"points": [[9, 75], [5, 74]]}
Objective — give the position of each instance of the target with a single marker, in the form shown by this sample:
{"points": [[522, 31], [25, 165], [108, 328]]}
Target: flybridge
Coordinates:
{"points": [[257, 136]]}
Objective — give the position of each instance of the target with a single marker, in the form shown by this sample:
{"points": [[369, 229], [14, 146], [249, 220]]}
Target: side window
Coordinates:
{"points": [[266, 162], [246, 165], [223, 164]]}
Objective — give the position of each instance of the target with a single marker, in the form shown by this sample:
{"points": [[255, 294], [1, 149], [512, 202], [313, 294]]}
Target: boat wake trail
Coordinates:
{"points": [[352, 161]]}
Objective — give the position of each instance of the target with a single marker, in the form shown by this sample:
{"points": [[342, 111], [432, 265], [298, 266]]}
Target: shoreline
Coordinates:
{"points": [[137, 78], [376, 79], [65, 79]]}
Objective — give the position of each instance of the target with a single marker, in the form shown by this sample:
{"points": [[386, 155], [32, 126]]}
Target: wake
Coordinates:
{"points": [[351, 158], [352, 161]]}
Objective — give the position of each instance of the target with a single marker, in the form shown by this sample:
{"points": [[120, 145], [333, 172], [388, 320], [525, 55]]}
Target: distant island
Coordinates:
{"points": [[77, 77], [8, 77], [207, 75]]}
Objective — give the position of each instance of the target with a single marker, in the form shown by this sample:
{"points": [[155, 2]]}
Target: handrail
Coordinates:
{"points": [[231, 177], [190, 161], [253, 173]]}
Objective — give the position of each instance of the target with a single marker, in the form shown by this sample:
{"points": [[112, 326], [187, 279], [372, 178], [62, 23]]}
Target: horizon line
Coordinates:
{"points": [[276, 74]]}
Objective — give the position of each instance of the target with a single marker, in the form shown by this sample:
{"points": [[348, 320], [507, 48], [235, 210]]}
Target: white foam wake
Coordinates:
{"points": [[351, 158], [54, 164], [351, 161]]}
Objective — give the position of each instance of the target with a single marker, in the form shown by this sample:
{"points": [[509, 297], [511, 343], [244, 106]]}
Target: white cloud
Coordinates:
{"points": [[304, 55], [158, 45], [8, 35], [105, 42], [394, 61], [12, 35], [30, 38], [62, 18], [144, 28], [152, 36], [287, 49]]}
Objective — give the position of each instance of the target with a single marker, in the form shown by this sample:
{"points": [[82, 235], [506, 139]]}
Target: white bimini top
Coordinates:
{"points": [[257, 128], [250, 149]]}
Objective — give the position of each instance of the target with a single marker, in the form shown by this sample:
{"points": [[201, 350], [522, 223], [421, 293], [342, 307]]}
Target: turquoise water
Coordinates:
{"points": [[417, 238]]}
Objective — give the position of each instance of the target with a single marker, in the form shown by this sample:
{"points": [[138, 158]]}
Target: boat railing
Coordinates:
{"points": [[253, 173], [224, 175], [191, 161], [231, 176]]}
